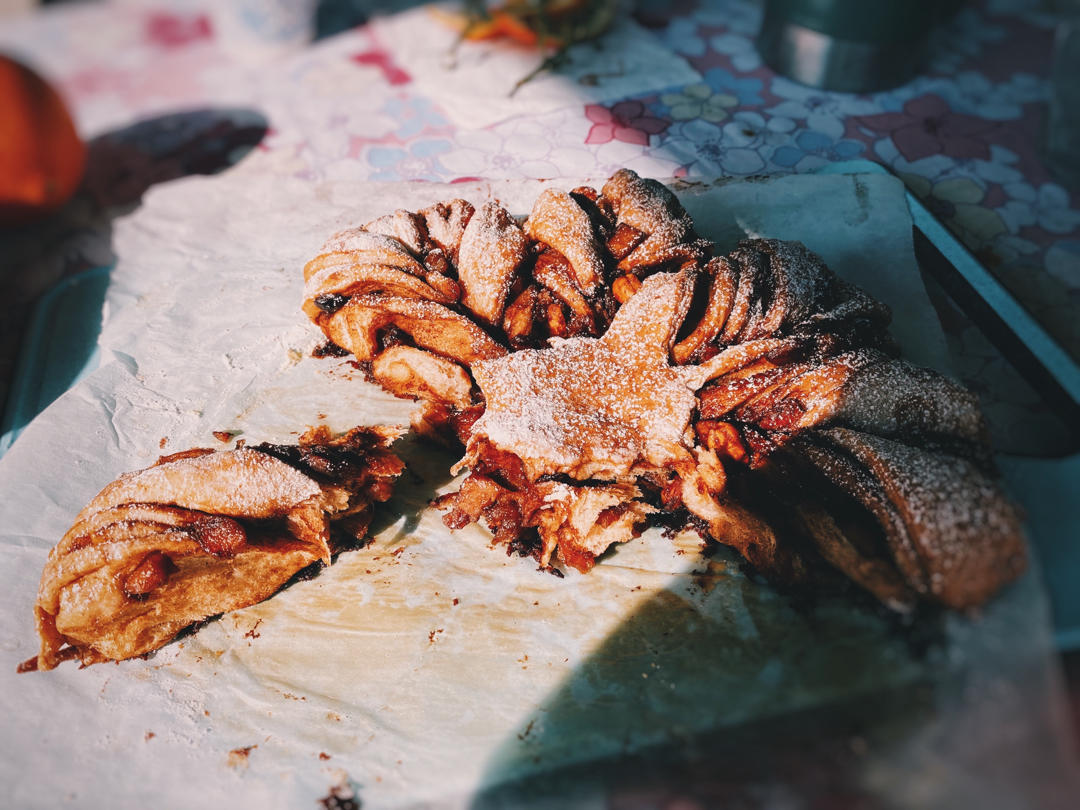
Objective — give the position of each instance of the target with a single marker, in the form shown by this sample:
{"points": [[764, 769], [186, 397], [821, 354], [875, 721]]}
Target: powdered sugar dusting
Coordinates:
{"points": [[590, 407], [649, 321], [492, 247], [895, 398], [407, 227], [583, 408], [446, 222], [561, 223], [377, 246], [650, 207], [967, 536], [800, 280], [785, 346], [355, 278], [643, 203], [232, 482]]}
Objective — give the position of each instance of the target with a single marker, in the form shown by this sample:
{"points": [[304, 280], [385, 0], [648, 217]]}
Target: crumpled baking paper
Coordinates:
{"points": [[429, 670]]}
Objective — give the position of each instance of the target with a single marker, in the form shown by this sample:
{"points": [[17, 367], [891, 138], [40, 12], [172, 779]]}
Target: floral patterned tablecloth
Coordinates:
{"points": [[159, 96]]}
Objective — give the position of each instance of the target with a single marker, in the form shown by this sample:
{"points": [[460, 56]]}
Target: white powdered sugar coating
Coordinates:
{"points": [[582, 408], [650, 207], [948, 529], [557, 220], [895, 398], [590, 407], [966, 534], [355, 278], [492, 247], [446, 222], [800, 279], [404, 226], [371, 247], [644, 204], [232, 482]]}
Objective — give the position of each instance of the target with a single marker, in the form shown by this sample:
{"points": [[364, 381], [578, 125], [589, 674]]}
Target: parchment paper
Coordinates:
{"points": [[430, 670]]}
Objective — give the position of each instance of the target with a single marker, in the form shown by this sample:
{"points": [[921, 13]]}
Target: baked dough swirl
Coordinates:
{"points": [[603, 368]]}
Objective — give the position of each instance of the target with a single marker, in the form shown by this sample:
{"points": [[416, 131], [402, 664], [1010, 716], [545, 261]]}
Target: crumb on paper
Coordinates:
{"points": [[254, 631], [433, 633], [238, 757], [149, 736], [225, 436], [324, 756], [162, 442], [341, 796]]}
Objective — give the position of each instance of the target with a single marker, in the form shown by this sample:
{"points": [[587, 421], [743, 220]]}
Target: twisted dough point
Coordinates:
{"points": [[558, 221], [493, 245], [952, 536], [649, 207]]}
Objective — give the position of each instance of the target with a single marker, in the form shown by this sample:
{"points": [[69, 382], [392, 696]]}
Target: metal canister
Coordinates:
{"points": [[853, 46]]}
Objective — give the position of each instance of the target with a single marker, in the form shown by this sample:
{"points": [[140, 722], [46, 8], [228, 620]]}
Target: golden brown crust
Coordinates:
{"points": [[409, 372], [559, 221], [341, 278], [431, 326], [653, 211], [201, 534], [263, 487], [493, 247], [446, 223], [966, 538]]}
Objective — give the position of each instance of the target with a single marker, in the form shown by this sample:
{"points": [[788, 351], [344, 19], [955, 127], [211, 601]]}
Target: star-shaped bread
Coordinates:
{"points": [[596, 408]]}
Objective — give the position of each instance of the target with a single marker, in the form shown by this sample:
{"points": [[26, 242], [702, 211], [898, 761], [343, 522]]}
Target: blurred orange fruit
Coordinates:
{"points": [[41, 155]]}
